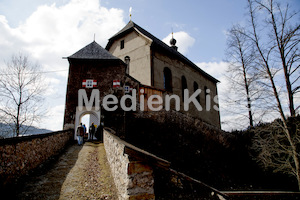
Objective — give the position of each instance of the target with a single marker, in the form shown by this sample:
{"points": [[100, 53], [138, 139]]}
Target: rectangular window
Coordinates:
{"points": [[127, 89], [89, 83], [122, 44]]}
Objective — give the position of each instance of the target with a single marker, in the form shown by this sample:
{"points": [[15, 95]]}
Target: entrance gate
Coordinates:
{"points": [[94, 117]]}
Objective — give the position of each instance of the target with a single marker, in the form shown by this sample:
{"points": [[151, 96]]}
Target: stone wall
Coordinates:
{"points": [[139, 174], [133, 178], [118, 163], [20, 155]]}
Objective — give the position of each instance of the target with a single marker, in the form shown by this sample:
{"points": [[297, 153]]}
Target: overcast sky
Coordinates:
{"points": [[47, 30]]}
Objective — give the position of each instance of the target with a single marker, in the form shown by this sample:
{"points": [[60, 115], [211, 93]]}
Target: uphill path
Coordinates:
{"points": [[82, 172]]}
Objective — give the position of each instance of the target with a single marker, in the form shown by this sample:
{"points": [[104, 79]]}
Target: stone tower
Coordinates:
{"points": [[90, 68]]}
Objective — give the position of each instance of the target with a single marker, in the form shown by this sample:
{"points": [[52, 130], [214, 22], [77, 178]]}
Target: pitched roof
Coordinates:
{"points": [[157, 43], [93, 51]]}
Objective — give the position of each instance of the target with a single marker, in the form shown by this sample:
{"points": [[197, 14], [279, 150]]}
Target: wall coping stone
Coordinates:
{"points": [[15, 140]]}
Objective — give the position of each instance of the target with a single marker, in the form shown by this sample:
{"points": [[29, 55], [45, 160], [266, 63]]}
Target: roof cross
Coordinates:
{"points": [[130, 9]]}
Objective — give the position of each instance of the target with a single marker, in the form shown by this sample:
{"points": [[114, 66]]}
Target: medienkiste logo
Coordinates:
{"points": [[154, 102]]}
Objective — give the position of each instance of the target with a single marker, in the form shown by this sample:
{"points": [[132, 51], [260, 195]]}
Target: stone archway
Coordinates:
{"points": [[94, 117]]}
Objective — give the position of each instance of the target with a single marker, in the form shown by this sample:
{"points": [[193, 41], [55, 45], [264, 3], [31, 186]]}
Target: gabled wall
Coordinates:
{"points": [[137, 47]]}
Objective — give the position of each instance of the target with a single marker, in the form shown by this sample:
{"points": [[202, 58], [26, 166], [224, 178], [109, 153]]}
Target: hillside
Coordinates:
{"points": [[6, 130]]}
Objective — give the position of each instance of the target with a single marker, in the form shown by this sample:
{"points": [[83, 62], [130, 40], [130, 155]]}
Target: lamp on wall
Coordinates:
{"points": [[71, 115], [102, 120]]}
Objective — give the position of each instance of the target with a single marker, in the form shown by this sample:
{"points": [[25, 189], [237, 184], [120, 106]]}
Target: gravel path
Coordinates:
{"points": [[82, 172]]}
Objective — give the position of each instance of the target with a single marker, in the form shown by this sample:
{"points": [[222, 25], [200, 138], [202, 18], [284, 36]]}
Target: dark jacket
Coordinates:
{"points": [[80, 131], [92, 128]]}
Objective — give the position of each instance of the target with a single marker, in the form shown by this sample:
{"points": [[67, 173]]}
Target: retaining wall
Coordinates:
{"points": [[139, 174], [21, 154], [133, 178]]}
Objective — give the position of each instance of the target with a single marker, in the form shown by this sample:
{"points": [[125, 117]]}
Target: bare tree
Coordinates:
{"points": [[21, 88], [273, 147], [285, 36], [267, 64], [241, 72]]}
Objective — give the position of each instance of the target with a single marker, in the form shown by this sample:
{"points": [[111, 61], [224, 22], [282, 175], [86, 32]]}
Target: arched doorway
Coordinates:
{"points": [[85, 120], [87, 117]]}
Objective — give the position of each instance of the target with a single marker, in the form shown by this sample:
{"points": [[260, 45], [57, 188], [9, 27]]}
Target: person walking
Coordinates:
{"points": [[92, 131], [80, 133], [84, 132], [84, 128]]}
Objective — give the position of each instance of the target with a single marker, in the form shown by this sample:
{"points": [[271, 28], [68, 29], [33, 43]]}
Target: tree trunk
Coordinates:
{"points": [[245, 82], [18, 114], [290, 92], [18, 122], [248, 97]]}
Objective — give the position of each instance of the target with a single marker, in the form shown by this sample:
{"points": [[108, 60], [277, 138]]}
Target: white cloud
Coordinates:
{"points": [[52, 32], [184, 41], [51, 83], [229, 119], [55, 118], [216, 69]]}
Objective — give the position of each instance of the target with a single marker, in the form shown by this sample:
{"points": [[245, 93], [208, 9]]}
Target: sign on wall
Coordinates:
{"points": [[116, 83], [89, 83]]}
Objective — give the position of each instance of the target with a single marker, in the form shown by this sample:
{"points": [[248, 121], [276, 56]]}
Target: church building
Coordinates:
{"points": [[135, 57], [155, 64]]}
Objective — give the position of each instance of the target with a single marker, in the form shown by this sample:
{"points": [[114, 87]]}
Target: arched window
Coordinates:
{"points": [[206, 92], [196, 87], [122, 44], [127, 61], [167, 79], [183, 86]]}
